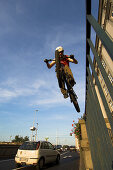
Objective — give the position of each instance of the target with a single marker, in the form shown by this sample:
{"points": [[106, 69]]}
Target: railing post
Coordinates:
{"points": [[88, 32]]}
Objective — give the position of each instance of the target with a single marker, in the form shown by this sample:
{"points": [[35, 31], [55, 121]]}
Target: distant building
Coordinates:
{"points": [[105, 19]]}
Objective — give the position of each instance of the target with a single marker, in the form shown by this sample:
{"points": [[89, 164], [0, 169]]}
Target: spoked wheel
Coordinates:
{"points": [[58, 66], [73, 98], [72, 95]]}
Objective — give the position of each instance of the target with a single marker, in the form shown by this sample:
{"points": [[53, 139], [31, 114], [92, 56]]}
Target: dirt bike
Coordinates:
{"points": [[61, 75]]}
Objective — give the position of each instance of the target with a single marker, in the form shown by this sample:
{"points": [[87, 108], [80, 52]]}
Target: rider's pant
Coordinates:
{"points": [[70, 79], [69, 75]]}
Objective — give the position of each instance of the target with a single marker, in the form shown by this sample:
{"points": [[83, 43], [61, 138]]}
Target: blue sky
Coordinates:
{"points": [[30, 30]]}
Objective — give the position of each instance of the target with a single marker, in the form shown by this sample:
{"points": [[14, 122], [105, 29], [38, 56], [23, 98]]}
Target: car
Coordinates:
{"points": [[59, 148], [72, 149], [36, 153], [65, 147]]}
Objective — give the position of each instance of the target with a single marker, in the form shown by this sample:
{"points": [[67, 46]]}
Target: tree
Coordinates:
{"points": [[20, 139], [26, 138]]}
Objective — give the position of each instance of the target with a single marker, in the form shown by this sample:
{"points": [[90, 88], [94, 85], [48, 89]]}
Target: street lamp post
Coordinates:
{"points": [[36, 136], [10, 138], [34, 129]]}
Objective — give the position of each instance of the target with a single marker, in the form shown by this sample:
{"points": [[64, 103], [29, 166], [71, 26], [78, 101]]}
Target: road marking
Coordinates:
{"points": [[19, 168], [63, 153], [70, 156], [67, 157], [24, 167], [6, 160]]}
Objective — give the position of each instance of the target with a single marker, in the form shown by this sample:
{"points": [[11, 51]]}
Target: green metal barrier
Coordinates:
{"points": [[98, 133]]}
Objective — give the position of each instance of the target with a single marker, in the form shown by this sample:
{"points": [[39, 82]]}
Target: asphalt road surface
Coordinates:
{"points": [[69, 161], [7, 164]]}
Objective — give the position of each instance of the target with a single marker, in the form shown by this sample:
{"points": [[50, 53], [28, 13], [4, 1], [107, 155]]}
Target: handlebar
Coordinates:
{"points": [[51, 60], [46, 60]]}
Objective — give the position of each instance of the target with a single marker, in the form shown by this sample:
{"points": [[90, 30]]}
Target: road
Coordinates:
{"points": [[7, 164], [69, 161]]}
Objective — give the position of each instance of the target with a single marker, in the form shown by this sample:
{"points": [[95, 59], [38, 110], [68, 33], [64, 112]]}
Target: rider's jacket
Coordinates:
{"points": [[65, 60]]}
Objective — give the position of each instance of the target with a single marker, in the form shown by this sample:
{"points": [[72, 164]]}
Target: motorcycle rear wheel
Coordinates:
{"points": [[58, 66]]}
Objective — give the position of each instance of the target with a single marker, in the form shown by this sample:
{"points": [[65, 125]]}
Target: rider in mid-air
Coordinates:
{"points": [[64, 60]]}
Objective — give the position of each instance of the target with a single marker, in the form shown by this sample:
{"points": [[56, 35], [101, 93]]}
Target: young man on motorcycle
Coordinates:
{"points": [[64, 60]]}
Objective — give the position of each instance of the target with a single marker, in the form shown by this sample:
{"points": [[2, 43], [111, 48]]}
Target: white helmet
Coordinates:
{"points": [[60, 49]]}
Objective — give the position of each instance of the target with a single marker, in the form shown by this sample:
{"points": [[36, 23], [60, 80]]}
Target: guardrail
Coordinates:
{"points": [[99, 138], [8, 150]]}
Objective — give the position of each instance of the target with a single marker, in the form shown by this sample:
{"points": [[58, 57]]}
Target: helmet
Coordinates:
{"points": [[60, 49]]}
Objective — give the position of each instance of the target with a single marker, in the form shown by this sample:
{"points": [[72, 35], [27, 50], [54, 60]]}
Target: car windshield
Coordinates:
{"points": [[72, 146], [58, 146], [30, 146]]}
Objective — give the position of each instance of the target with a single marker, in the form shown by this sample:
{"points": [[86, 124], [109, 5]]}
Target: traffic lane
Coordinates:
{"points": [[68, 161], [8, 164]]}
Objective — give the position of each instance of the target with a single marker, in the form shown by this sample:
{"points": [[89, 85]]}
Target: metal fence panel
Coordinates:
{"points": [[99, 138], [104, 74], [106, 41], [108, 112]]}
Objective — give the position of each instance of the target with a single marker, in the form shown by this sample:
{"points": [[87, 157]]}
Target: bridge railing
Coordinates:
{"points": [[98, 135]]}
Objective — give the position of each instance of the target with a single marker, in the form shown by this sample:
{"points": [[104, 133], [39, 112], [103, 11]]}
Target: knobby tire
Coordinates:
{"points": [[73, 96], [75, 103]]}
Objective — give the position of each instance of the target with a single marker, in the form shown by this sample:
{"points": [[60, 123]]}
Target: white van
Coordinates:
{"points": [[36, 153]]}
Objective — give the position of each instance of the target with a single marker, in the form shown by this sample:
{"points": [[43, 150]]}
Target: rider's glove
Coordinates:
{"points": [[72, 56], [46, 61]]}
